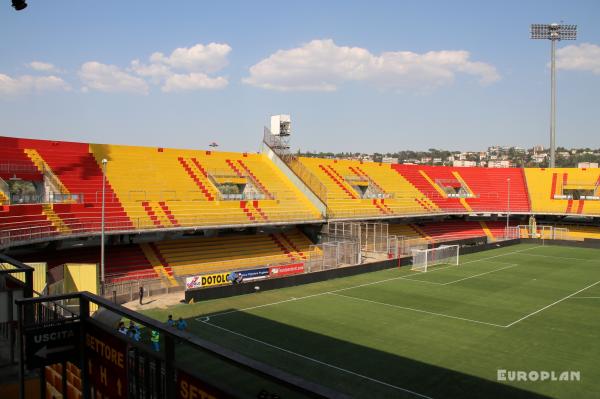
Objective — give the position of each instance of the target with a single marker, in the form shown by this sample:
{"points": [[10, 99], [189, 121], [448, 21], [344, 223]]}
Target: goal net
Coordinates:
{"points": [[424, 258]]}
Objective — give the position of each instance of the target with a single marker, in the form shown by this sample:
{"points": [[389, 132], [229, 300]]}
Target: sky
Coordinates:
{"points": [[360, 76]]}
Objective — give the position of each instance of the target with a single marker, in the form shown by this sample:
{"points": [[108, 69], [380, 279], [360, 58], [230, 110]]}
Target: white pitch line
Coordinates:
{"points": [[431, 271], [264, 305], [419, 310], [418, 280], [360, 285], [480, 274], [460, 279], [562, 257], [319, 361], [552, 304], [585, 297], [508, 253]]}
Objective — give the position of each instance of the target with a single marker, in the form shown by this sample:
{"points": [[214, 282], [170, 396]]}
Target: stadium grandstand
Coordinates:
{"points": [[172, 212], [182, 220]]}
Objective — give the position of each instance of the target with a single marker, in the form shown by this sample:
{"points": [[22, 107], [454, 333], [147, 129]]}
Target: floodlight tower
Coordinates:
{"points": [[281, 127], [553, 32]]}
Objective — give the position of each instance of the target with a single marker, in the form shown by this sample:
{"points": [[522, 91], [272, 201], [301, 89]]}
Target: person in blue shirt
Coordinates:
{"points": [[181, 324], [170, 321], [131, 329], [137, 335], [235, 277], [231, 277]]}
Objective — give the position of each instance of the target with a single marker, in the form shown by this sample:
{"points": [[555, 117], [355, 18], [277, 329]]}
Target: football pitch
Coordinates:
{"points": [[483, 329]]}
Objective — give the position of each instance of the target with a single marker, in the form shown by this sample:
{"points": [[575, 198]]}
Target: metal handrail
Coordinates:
{"points": [[92, 225], [71, 314], [308, 177], [71, 198], [301, 171], [20, 231], [216, 351], [18, 168]]}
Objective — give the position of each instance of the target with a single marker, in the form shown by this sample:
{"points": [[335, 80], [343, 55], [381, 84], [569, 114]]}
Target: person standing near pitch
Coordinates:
{"points": [[141, 294]]}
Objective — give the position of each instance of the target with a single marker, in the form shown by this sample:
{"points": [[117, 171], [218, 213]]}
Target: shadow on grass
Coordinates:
{"points": [[353, 369]]}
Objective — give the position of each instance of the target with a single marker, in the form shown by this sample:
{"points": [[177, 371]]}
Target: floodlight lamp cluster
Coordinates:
{"points": [[554, 31]]}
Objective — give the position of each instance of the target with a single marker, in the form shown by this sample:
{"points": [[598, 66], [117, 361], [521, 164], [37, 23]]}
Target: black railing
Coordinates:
{"points": [[157, 372]]}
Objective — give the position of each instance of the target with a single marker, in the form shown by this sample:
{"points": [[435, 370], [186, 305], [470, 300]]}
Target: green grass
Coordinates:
{"points": [[441, 334]]}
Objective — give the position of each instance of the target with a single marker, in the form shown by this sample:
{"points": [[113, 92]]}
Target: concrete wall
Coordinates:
{"points": [[294, 179], [224, 291]]}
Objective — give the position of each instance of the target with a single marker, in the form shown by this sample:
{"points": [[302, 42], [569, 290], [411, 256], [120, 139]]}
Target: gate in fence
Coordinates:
{"points": [[370, 237]]}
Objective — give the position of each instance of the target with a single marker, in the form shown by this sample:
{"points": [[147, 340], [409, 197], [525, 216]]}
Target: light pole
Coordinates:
{"points": [[104, 162], [507, 203], [553, 32]]}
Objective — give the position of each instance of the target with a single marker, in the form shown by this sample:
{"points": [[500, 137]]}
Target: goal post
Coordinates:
{"points": [[422, 259]]}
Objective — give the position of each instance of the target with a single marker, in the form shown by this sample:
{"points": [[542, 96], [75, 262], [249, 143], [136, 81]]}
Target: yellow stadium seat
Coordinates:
{"points": [[215, 254], [549, 190], [171, 188]]}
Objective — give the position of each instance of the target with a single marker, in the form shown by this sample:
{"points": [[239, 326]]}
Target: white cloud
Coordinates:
{"points": [[193, 81], [186, 68], [110, 79], [199, 58], [582, 57], [42, 66], [27, 84], [155, 72], [323, 65], [183, 70]]}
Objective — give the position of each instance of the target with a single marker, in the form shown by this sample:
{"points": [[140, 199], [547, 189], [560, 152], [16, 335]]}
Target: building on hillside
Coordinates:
{"points": [[499, 164], [468, 164], [587, 165], [389, 160]]}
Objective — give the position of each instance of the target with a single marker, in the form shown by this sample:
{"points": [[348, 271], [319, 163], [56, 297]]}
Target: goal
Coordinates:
{"points": [[424, 258]]}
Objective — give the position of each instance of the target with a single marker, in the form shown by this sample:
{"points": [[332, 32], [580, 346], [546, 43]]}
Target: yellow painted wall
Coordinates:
{"points": [[81, 277], [39, 274]]}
